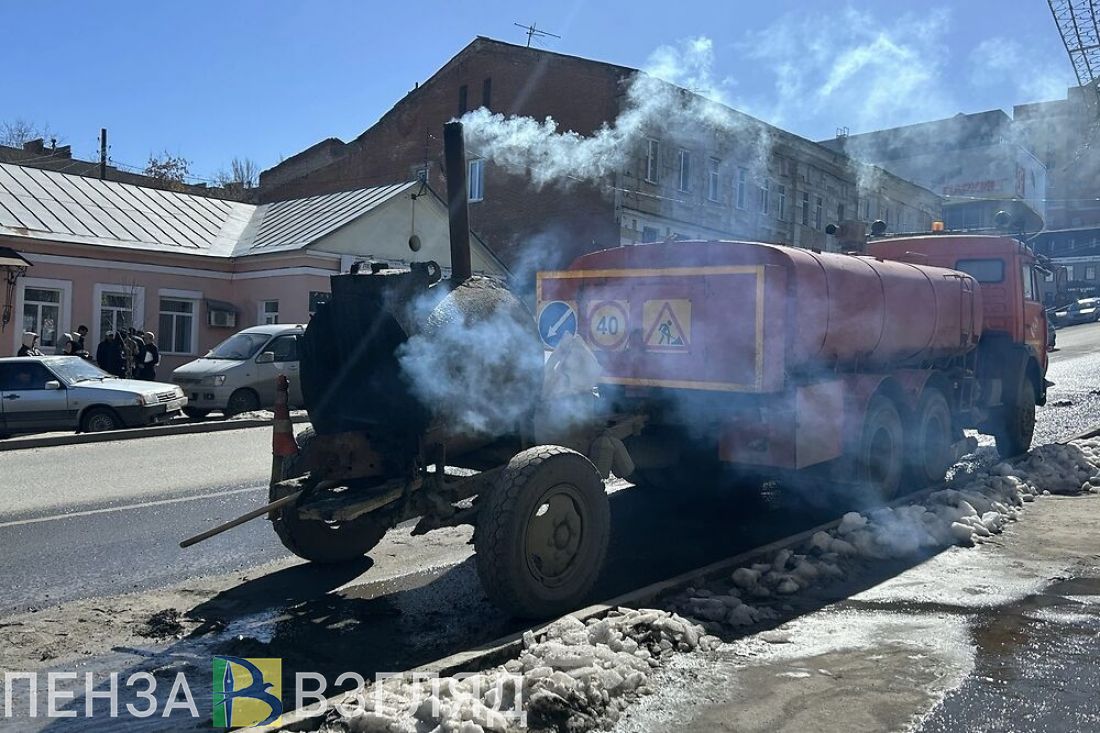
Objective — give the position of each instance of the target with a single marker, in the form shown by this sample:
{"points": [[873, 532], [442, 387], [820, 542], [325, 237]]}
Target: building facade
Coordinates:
{"points": [[976, 162], [1064, 134], [766, 185], [191, 269]]}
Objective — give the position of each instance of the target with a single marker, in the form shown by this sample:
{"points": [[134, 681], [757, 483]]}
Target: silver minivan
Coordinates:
{"points": [[238, 375]]}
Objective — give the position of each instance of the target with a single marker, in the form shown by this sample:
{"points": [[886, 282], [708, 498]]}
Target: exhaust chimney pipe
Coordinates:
{"points": [[458, 213]]}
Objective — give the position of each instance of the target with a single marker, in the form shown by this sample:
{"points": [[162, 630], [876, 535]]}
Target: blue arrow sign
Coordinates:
{"points": [[556, 320]]}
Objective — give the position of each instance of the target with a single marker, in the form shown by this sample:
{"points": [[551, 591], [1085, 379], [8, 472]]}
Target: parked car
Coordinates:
{"points": [[238, 375], [1086, 310], [40, 393]]}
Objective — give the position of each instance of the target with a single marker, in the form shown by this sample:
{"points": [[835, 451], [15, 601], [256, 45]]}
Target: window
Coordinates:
{"points": [[486, 92], [984, 271], [462, 91], [839, 213], [712, 178], [116, 312], [269, 312], [652, 160], [650, 234], [41, 311], [805, 209], [781, 202], [818, 206], [1028, 275], [1090, 272], [177, 326], [285, 348], [685, 170], [742, 187], [23, 376], [765, 194], [316, 298], [476, 180], [866, 209]]}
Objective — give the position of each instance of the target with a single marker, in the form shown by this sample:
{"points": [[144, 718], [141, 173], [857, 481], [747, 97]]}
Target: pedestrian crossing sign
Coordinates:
{"points": [[666, 324]]}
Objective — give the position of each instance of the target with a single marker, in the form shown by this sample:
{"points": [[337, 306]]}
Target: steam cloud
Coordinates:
{"points": [[656, 103]]}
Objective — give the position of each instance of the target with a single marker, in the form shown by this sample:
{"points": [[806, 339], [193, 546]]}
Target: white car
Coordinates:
{"points": [[41, 393]]}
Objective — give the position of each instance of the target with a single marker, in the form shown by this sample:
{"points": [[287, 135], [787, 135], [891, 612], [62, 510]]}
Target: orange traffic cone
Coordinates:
{"points": [[282, 436]]}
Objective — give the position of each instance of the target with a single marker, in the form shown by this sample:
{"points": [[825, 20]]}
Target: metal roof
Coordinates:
{"points": [[42, 204], [295, 223]]}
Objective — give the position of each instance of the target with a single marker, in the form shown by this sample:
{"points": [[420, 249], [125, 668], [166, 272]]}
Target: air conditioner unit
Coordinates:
{"points": [[223, 319]]}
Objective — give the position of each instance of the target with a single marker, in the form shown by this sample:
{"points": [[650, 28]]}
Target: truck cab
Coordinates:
{"points": [[1012, 354]]}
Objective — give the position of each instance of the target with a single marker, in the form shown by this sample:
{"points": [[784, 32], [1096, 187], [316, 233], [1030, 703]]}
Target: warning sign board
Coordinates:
{"points": [[667, 325], [607, 324]]}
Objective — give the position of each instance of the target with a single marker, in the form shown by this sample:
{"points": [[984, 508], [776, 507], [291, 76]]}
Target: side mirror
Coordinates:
{"points": [[267, 357], [53, 384]]}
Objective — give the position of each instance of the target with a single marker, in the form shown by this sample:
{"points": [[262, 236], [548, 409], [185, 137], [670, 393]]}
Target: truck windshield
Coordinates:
{"points": [[984, 271], [239, 347]]}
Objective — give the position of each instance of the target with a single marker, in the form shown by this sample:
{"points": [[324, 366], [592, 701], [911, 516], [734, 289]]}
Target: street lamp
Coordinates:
{"points": [[12, 265]]}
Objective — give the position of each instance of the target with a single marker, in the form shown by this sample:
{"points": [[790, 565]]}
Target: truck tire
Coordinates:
{"points": [[1016, 424], [542, 533], [880, 458], [313, 539], [929, 442]]}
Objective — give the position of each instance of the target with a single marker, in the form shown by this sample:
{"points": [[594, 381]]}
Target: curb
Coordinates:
{"points": [[217, 426]]}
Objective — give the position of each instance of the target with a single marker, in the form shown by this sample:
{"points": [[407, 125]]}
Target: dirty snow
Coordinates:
{"points": [[579, 676]]}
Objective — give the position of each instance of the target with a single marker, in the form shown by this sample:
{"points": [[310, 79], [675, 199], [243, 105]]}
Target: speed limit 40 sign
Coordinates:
{"points": [[608, 324]]}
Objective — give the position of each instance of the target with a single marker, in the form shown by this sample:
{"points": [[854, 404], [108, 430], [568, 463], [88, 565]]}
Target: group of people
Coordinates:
{"points": [[128, 353]]}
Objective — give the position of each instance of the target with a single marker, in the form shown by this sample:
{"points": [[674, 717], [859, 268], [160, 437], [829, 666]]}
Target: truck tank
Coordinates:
{"points": [[744, 316]]}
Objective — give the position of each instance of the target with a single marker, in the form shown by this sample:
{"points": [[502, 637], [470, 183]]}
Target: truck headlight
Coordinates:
{"points": [[215, 381]]}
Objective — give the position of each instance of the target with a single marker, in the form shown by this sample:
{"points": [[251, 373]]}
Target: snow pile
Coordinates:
{"points": [[574, 676], [965, 515]]}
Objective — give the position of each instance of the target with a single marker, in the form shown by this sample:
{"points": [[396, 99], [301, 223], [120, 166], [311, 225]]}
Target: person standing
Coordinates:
{"points": [[150, 358], [110, 356], [79, 348], [30, 345]]}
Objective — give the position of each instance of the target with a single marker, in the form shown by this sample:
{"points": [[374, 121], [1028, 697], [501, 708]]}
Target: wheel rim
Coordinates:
{"points": [[100, 423], [555, 533]]}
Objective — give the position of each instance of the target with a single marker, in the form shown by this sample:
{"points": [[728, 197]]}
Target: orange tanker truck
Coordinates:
{"points": [[433, 397]]}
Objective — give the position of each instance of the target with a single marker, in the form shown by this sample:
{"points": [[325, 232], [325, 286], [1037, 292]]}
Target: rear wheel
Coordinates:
{"points": [[100, 419], [879, 460], [1016, 425], [929, 442], [316, 540], [542, 533]]}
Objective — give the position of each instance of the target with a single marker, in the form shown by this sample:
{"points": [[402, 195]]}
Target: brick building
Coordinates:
{"points": [[715, 185]]}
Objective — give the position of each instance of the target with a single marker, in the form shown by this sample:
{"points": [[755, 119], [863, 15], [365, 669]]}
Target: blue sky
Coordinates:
{"points": [[213, 80]]}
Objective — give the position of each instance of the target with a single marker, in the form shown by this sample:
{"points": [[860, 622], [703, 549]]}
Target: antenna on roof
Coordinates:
{"points": [[533, 32]]}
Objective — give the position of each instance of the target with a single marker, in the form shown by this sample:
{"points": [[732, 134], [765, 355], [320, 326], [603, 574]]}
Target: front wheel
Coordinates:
{"points": [[1017, 422], [542, 533], [242, 400], [100, 419]]}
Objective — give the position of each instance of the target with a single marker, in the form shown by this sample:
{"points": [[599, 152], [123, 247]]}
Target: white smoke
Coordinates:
{"points": [[676, 97], [1032, 77]]}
